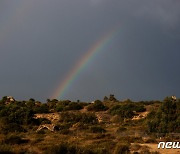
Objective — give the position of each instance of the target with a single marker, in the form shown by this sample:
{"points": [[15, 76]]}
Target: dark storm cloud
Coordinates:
{"points": [[42, 40]]}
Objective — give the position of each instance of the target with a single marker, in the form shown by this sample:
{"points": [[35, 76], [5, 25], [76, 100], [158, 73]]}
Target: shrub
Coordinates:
{"points": [[14, 139], [63, 148], [15, 113], [74, 106], [166, 119], [44, 121], [43, 108], [12, 127], [151, 140], [121, 129], [135, 152], [139, 108], [97, 106], [100, 147], [86, 118], [155, 152], [117, 119], [124, 111], [97, 129], [122, 149], [42, 131], [65, 131], [5, 149], [64, 126], [145, 150], [131, 139], [59, 108], [112, 98], [135, 147]]}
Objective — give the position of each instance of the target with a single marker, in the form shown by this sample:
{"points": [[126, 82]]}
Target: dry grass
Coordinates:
{"points": [[153, 148]]}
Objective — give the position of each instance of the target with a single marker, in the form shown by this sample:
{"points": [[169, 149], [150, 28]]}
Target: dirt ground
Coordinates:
{"points": [[153, 147]]}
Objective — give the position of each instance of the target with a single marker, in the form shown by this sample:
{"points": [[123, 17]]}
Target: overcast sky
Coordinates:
{"points": [[41, 41]]}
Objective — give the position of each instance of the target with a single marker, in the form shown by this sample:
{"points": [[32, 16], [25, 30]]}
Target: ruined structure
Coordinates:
{"points": [[50, 127], [53, 117]]}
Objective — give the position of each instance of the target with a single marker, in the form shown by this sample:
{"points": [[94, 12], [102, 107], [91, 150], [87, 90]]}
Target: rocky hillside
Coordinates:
{"points": [[108, 126]]}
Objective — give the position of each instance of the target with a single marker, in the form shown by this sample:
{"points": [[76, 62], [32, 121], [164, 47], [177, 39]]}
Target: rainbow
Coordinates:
{"points": [[82, 63]]}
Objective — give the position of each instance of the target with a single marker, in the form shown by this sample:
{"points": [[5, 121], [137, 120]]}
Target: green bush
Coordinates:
{"points": [[64, 128], [15, 113], [151, 140], [42, 131], [67, 148], [11, 127], [59, 108], [97, 106], [122, 149], [166, 119], [135, 147], [43, 108], [14, 139], [5, 149], [121, 129], [86, 118], [67, 105], [139, 108], [74, 106], [63, 148], [43, 121], [124, 111], [97, 129]]}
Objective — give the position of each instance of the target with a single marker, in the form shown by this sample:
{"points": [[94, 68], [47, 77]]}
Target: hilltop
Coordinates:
{"points": [[102, 126]]}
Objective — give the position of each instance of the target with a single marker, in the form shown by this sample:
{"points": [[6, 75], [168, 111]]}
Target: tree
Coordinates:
{"points": [[48, 100], [54, 100], [112, 98], [42, 109], [166, 119], [124, 111], [97, 106], [105, 99], [4, 99], [31, 100], [30, 104]]}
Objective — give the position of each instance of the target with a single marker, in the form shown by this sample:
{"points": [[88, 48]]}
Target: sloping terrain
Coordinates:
{"points": [[98, 127]]}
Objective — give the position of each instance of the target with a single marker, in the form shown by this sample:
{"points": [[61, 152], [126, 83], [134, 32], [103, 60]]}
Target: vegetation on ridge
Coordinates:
{"points": [[108, 126]]}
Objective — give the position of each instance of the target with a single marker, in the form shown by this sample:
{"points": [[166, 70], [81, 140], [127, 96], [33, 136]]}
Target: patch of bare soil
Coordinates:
{"points": [[153, 147]]}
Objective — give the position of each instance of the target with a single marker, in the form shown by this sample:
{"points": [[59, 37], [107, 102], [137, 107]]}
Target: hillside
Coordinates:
{"points": [[108, 126]]}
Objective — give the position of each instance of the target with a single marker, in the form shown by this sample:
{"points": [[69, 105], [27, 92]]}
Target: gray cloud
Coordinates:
{"points": [[40, 42]]}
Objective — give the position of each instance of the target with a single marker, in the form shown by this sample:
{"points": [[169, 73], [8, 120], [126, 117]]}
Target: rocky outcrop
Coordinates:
{"points": [[103, 117], [53, 117], [140, 115], [50, 127], [10, 100]]}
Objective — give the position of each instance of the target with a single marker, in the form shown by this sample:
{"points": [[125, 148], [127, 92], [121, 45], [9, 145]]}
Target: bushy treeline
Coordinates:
{"points": [[97, 106], [66, 148], [13, 116], [166, 119], [126, 111], [86, 118]]}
